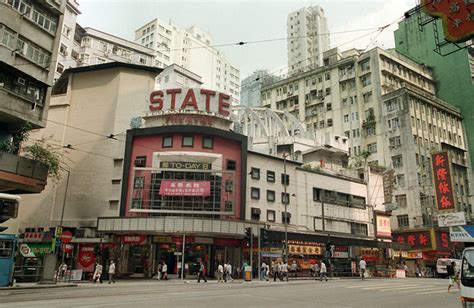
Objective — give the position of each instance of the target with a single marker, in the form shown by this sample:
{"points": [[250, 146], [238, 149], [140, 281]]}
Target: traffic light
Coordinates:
{"points": [[248, 234], [264, 235]]}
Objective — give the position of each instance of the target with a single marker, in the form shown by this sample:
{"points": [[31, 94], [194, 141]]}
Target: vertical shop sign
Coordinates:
{"points": [[86, 258], [442, 181]]}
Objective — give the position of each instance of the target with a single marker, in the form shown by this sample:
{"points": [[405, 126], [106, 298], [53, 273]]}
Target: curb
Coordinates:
{"points": [[19, 287]]}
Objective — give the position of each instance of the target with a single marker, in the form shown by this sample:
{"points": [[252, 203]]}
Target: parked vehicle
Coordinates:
{"points": [[441, 264], [467, 278], [7, 259]]}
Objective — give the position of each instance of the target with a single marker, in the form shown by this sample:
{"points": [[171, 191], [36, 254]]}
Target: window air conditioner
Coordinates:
{"points": [[21, 81]]}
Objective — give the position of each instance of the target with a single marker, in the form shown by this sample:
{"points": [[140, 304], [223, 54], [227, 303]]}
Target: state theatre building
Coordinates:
{"points": [[183, 186]]}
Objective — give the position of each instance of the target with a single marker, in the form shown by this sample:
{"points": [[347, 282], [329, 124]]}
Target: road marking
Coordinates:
{"points": [[364, 286], [439, 291], [390, 286], [409, 288]]}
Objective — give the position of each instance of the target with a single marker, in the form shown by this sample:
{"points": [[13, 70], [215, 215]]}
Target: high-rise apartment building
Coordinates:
{"points": [[386, 105], [192, 49], [251, 86], [88, 46], [29, 39], [308, 38]]}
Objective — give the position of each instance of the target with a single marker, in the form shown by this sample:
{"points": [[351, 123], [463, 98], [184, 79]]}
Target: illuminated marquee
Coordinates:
{"points": [[188, 99]]}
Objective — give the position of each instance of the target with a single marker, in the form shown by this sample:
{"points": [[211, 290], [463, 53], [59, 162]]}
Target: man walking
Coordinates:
{"points": [[316, 270], [362, 268], [220, 273], [284, 270], [275, 271], [164, 271], [323, 272], [263, 271], [98, 273], [228, 272], [453, 275], [202, 272], [294, 269], [111, 272]]}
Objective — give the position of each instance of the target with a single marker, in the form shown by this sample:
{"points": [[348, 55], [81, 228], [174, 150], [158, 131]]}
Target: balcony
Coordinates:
{"points": [[20, 175]]}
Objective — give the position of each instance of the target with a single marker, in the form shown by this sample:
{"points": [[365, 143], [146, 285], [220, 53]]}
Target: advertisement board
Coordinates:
{"points": [[185, 188], [451, 219], [383, 226], [442, 180]]}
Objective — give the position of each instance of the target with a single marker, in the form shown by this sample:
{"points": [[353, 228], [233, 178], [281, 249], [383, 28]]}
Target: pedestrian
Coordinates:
{"points": [[316, 270], [228, 272], [97, 273], [405, 267], [220, 273], [202, 272], [294, 268], [263, 271], [284, 270], [244, 265], [164, 270], [111, 272], [362, 268], [323, 272], [62, 272], [453, 275], [275, 271], [159, 271], [417, 271]]}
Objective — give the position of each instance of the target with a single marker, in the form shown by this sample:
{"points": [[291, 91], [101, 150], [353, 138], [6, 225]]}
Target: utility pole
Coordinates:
{"points": [[182, 256], [251, 253], [62, 212], [259, 251], [286, 200]]}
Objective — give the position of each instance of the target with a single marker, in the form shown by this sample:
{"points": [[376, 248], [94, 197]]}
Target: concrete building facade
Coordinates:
{"points": [[191, 48], [350, 97], [250, 95], [175, 76], [454, 73], [308, 38]]}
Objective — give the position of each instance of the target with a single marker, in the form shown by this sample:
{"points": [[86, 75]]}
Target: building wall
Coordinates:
{"points": [[103, 102], [223, 150], [453, 72], [346, 98], [306, 212], [67, 44]]}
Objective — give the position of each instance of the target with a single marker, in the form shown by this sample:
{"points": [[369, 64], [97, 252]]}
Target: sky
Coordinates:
{"points": [[234, 21]]}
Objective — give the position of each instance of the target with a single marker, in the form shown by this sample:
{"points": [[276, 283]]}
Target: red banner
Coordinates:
{"points": [[185, 188], [442, 180], [86, 258], [417, 239]]}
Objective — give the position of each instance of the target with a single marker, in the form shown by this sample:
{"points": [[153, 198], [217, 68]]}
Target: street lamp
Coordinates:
{"points": [[285, 201]]}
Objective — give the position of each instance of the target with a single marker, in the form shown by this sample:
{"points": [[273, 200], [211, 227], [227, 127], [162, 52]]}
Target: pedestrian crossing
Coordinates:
{"points": [[424, 287]]}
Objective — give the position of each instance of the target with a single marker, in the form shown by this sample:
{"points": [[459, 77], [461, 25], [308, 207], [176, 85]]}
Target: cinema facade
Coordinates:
{"points": [[193, 183]]}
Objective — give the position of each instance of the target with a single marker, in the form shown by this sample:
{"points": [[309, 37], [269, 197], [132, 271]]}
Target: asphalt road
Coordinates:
{"points": [[384, 293]]}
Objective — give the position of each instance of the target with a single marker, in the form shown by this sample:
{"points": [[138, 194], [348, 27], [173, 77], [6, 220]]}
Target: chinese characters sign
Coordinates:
{"points": [[185, 188], [442, 181], [442, 241], [417, 240], [133, 239], [383, 226], [304, 250], [457, 17]]}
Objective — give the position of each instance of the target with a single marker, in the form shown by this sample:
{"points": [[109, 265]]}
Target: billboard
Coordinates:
{"points": [[442, 181], [185, 188], [462, 234], [383, 226], [456, 16], [452, 219], [416, 239]]}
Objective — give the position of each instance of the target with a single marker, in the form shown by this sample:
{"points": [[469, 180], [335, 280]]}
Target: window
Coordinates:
{"points": [[316, 194], [6, 248], [285, 217], [231, 164], [346, 118], [255, 173], [367, 97], [328, 106], [371, 131], [167, 142], [285, 198], [255, 214], [188, 141], [401, 200], [329, 122], [207, 143], [86, 42], [270, 215], [359, 229], [270, 195], [116, 181], [328, 91], [285, 179], [397, 161], [366, 81], [270, 176], [372, 147], [403, 221], [63, 50], [401, 180], [255, 193], [365, 65], [60, 68]]}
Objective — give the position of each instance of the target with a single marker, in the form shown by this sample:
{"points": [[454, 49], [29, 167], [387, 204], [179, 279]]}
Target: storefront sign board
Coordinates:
{"points": [[442, 181], [462, 233], [185, 188], [452, 219], [383, 226], [133, 239], [86, 258]]}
